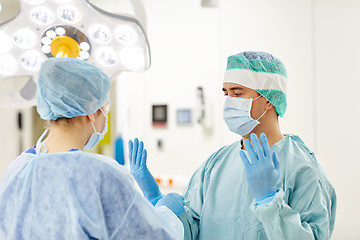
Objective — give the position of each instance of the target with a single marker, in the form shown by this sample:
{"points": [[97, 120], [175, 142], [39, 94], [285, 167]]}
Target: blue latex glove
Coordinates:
{"points": [[174, 202], [262, 173], [142, 175]]}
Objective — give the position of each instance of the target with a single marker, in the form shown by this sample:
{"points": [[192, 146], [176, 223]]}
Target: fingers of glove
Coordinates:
{"points": [[130, 144], [180, 197], [244, 159], [139, 153], [135, 152], [174, 202], [135, 147], [276, 161], [174, 198], [250, 150], [257, 146], [143, 158], [265, 145]]}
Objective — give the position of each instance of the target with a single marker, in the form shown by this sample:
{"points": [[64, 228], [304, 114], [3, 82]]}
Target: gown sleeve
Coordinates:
{"points": [[125, 213], [308, 213], [194, 196]]}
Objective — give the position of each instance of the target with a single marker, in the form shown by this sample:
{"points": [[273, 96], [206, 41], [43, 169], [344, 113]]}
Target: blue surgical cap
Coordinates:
{"points": [[262, 72], [69, 87]]}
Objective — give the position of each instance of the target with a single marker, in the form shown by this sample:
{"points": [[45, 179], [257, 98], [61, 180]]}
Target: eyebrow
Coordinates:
{"points": [[233, 88]]}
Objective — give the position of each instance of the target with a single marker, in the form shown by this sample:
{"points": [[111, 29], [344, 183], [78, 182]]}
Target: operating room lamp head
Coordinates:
{"points": [[65, 28]]}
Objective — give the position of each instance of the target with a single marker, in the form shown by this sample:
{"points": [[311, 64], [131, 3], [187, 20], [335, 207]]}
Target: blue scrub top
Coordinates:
{"points": [[220, 206], [77, 195], [33, 151]]}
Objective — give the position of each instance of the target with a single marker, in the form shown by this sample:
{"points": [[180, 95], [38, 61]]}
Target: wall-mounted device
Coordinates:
{"points": [[159, 115], [200, 105], [203, 109], [183, 117]]}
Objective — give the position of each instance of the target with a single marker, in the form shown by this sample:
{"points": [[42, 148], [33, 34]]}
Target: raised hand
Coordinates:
{"points": [[262, 172], [140, 172]]}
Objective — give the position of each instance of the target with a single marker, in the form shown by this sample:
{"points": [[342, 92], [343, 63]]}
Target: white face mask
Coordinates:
{"points": [[96, 137], [236, 113]]}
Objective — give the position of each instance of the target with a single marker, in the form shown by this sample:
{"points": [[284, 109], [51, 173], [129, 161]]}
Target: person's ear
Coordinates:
{"points": [[268, 105], [91, 118]]}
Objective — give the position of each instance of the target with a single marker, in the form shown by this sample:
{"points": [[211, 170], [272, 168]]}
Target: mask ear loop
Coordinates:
{"points": [[103, 112], [261, 115], [257, 97], [39, 144], [265, 109], [94, 125], [106, 118]]}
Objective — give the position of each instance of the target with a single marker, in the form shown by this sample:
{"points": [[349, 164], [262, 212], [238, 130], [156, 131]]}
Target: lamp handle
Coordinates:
{"points": [[140, 13]]}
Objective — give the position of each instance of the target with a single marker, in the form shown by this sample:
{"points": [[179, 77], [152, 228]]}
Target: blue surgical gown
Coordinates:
{"points": [[219, 204], [77, 195]]}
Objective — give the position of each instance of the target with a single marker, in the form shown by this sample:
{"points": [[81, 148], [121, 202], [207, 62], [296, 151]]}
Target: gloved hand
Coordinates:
{"points": [[174, 202], [262, 173], [142, 175]]}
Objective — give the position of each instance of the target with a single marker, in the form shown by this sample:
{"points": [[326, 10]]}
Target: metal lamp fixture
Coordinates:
{"points": [[65, 28]]}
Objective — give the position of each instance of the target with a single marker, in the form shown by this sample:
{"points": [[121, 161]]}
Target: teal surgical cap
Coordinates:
{"points": [[261, 72], [69, 87]]}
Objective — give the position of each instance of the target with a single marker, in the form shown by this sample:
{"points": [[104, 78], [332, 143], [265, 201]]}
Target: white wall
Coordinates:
{"points": [[8, 138], [337, 129], [13, 140]]}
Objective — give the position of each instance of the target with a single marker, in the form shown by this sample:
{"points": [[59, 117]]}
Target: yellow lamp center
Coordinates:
{"points": [[65, 47]]}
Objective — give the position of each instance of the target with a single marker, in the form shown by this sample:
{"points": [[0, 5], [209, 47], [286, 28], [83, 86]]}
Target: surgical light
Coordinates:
{"points": [[25, 38], [84, 46], [132, 57], [100, 33], [84, 55], [46, 49], [60, 31], [63, 1], [51, 34], [35, 1], [69, 14], [106, 56], [46, 40], [42, 29], [42, 16], [6, 42], [126, 35], [63, 41], [8, 65], [32, 60], [64, 46]]}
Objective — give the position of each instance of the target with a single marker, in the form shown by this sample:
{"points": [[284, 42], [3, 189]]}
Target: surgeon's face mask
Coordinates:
{"points": [[236, 113], [96, 137]]}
